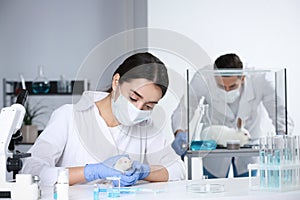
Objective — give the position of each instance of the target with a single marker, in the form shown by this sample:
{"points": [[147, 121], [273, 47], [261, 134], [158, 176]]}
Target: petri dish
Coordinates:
{"points": [[205, 188]]}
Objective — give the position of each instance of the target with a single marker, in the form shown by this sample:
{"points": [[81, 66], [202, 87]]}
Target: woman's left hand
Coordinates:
{"points": [[139, 169]]}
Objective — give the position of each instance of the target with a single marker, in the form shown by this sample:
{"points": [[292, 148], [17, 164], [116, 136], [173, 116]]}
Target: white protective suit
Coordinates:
{"points": [[77, 135], [255, 106]]}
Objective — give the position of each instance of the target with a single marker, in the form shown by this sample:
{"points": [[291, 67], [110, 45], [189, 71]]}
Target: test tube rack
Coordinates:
{"points": [[283, 177]]}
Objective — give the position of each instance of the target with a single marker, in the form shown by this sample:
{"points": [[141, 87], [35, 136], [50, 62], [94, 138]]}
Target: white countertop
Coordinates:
{"points": [[235, 188]]}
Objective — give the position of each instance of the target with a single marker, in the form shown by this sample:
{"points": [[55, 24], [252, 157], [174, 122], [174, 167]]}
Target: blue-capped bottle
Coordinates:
{"points": [[40, 85]]}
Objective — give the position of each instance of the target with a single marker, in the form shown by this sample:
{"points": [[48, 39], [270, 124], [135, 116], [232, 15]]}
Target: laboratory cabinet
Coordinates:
{"points": [[11, 89]]}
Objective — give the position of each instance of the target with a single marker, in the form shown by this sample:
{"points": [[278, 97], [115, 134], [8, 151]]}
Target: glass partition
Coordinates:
{"points": [[236, 104]]}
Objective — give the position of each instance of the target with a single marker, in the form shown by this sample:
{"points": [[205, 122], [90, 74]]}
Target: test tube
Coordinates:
{"points": [[294, 157], [278, 146], [289, 157], [289, 148], [262, 160], [96, 192], [270, 162], [297, 148], [297, 158]]}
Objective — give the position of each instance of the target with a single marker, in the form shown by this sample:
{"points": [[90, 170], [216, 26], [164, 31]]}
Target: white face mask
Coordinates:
{"points": [[230, 96], [126, 113]]}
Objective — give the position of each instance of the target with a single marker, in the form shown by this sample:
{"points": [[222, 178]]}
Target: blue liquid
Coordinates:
{"points": [[124, 190], [276, 172], [288, 173], [113, 193], [262, 171], [203, 145], [55, 196], [40, 87], [96, 193], [270, 172]]}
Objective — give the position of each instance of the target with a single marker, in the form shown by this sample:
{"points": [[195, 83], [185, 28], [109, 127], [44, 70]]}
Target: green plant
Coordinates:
{"points": [[32, 112]]}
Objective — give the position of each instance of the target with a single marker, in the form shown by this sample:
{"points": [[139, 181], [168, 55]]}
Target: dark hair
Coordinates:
{"points": [[144, 65], [228, 61]]}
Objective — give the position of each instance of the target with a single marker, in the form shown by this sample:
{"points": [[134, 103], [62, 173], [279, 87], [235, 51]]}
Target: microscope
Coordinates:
{"points": [[11, 119]]}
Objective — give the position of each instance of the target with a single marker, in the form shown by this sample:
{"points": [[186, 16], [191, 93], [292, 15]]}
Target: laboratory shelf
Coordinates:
{"points": [[73, 89], [223, 153], [216, 153], [11, 89]]}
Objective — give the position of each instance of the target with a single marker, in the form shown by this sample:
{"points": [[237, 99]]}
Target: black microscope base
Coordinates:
{"points": [[5, 194]]}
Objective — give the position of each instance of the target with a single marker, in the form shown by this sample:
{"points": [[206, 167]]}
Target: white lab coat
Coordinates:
{"points": [[77, 135], [256, 107]]}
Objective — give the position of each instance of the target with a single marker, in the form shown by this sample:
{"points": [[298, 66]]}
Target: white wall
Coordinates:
{"points": [[60, 34], [263, 33]]}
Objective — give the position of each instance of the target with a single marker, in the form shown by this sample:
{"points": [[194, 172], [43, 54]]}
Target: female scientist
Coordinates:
{"points": [[232, 96], [90, 136]]}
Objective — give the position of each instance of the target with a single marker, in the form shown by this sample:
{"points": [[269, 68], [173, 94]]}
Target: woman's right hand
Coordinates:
{"points": [[102, 171]]}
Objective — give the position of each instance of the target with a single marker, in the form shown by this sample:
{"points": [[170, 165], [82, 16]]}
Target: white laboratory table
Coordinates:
{"points": [[235, 188]]}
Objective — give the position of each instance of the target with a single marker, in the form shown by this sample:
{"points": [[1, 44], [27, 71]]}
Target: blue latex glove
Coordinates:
{"points": [[139, 170], [180, 143], [106, 169]]}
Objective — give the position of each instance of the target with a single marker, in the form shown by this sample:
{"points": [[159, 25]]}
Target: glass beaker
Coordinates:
{"points": [[40, 85], [203, 122], [113, 190]]}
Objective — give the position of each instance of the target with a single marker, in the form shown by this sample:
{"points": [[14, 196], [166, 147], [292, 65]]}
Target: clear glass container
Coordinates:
{"points": [[40, 85], [62, 85], [204, 187], [221, 111], [198, 141], [113, 191]]}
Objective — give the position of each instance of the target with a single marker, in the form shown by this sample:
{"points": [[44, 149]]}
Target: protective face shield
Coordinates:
{"points": [[126, 113]]}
